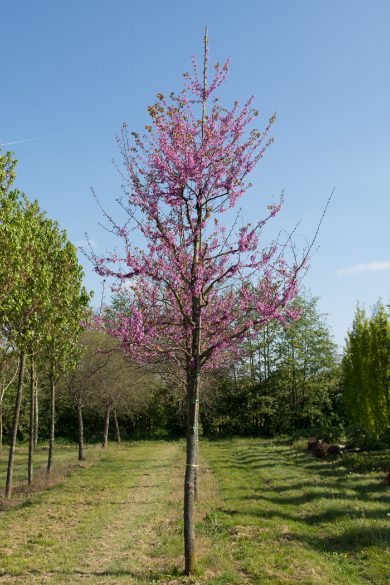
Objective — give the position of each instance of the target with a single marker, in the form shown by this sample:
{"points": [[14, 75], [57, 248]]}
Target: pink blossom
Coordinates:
{"points": [[182, 175]]}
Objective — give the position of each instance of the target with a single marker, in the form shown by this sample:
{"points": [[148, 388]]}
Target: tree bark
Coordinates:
{"points": [[117, 431], [193, 383], [1, 428], [14, 431], [36, 411], [190, 474], [197, 468], [106, 428], [52, 421], [81, 432], [31, 426]]}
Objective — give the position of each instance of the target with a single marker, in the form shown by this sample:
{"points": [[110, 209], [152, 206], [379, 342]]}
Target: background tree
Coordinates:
{"points": [[380, 368], [355, 370], [24, 272], [8, 373], [307, 370], [286, 380], [32, 251], [117, 385], [366, 373], [79, 382], [69, 302]]}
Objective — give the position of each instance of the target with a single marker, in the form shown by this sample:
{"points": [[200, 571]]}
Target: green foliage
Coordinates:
{"points": [[366, 376], [7, 172], [289, 382], [42, 300], [69, 302], [104, 377]]}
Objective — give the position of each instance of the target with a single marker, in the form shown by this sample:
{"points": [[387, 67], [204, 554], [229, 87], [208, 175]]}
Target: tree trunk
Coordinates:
{"points": [[31, 426], [117, 431], [52, 422], [197, 468], [106, 427], [36, 411], [14, 431], [81, 432], [190, 474], [193, 383], [1, 428]]}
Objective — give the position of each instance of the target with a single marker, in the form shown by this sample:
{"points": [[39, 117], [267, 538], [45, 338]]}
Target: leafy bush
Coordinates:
{"points": [[364, 439]]}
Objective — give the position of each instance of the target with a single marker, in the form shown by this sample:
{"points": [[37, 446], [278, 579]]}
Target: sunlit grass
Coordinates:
{"points": [[293, 518], [269, 514], [65, 462]]}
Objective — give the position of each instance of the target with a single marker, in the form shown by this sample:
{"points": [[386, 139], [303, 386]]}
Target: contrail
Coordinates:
{"points": [[21, 141]]}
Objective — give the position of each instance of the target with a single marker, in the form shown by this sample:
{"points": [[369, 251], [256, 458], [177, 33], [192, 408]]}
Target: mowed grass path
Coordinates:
{"points": [[290, 518], [101, 525], [268, 514]]}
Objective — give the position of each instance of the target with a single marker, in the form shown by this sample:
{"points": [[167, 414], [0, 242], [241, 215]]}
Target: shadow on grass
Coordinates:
{"points": [[364, 494], [25, 496], [353, 539], [146, 576], [325, 517], [281, 483]]}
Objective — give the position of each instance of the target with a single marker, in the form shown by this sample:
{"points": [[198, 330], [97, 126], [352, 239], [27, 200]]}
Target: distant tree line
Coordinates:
{"points": [[287, 379], [287, 382], [293, 380]]}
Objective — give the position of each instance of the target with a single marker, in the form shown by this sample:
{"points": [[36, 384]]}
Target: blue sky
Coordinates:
{"points": [[72, 72]]}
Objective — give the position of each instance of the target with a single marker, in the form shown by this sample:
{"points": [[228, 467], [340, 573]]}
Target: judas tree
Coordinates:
{"points": [[191, 293]]}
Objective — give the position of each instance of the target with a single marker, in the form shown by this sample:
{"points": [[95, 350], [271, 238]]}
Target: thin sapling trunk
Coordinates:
{"points": [[192, 442], [81, 432], [15, 423], [1, 428], [36, 411], [106, 428], [190, 474], [197, 469], [52, 421], [117, 431], [31, 423]]}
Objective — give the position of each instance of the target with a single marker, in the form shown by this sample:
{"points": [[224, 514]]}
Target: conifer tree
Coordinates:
{"points": [[366, 371]]}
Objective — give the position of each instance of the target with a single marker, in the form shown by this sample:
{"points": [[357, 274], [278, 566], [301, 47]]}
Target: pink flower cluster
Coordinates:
{"points": [[190, 166]]}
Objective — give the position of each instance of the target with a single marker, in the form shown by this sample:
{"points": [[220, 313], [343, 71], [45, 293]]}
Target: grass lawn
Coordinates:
{"points": [[268, 514]]}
